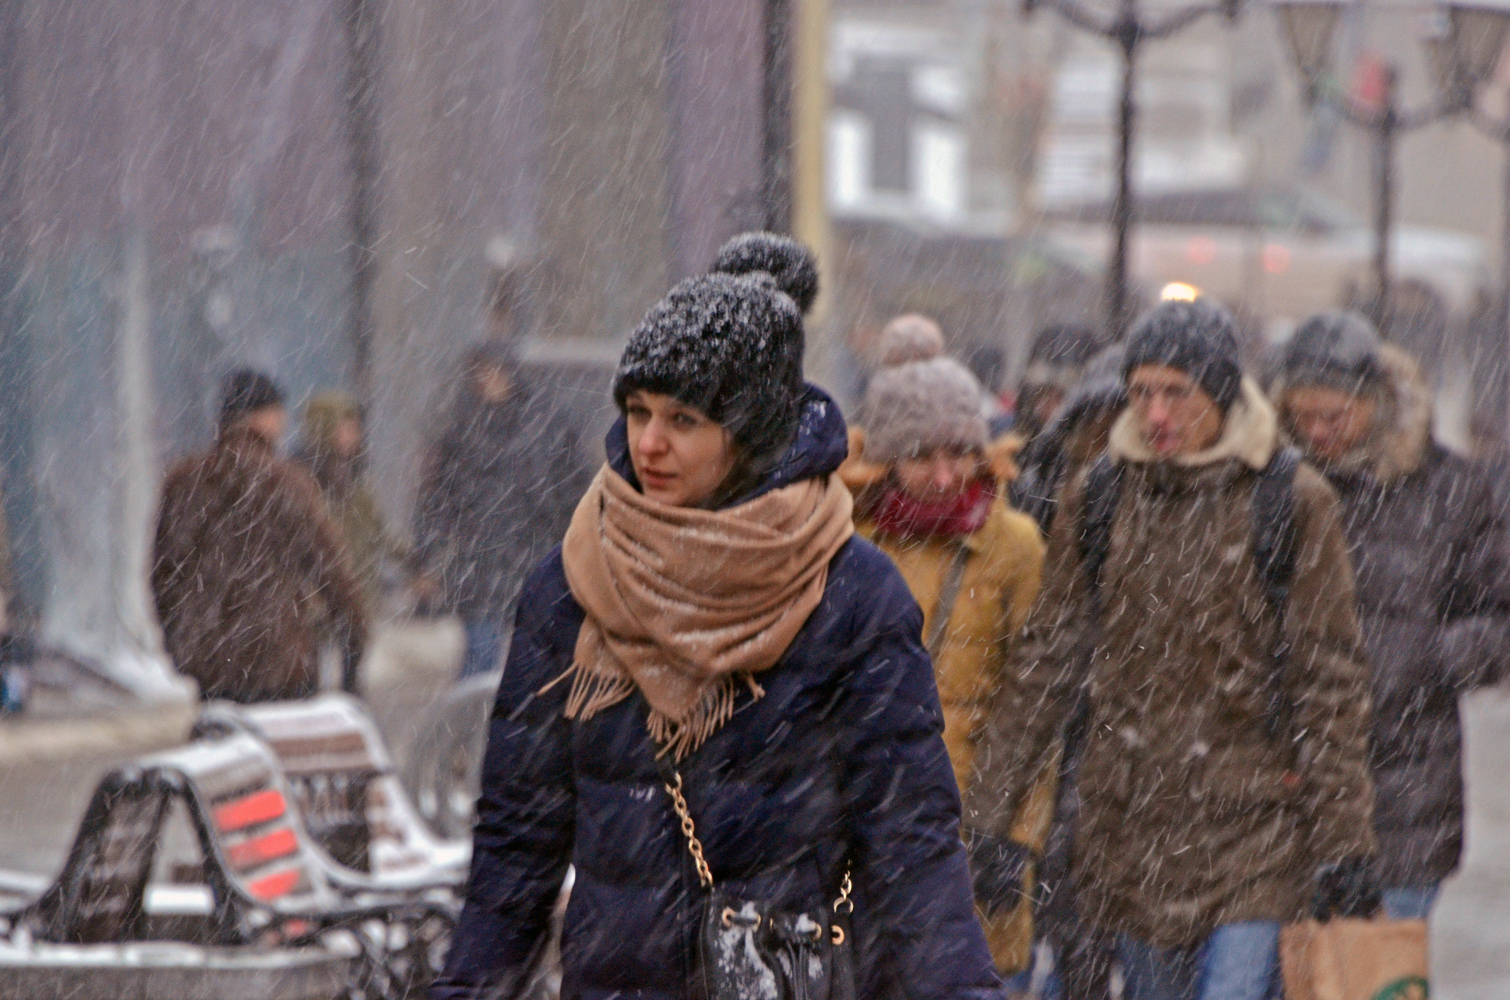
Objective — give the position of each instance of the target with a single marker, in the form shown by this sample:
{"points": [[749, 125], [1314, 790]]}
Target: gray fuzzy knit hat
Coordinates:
{"points": [[916, 408], [910, 337]]}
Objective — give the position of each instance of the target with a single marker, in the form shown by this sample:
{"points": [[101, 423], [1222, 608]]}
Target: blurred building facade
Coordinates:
{"points": [[314, 187]]}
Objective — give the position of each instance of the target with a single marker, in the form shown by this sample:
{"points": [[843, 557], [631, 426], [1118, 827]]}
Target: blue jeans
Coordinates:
{"points": [[484, 646], [1409, 904], [1237, 962]]}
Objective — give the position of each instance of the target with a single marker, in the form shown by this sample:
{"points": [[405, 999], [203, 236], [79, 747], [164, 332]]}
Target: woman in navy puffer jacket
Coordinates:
{"points": [[710, 605]]}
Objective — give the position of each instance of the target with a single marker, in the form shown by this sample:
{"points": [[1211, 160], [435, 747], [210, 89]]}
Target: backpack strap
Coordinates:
{"points": [[1274, 552], [1103, 493]]}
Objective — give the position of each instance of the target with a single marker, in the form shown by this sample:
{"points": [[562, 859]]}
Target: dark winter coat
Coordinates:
{"points": [[498, 491], [1194, 813], [1431, 557], [247, 563], [842, 762]]}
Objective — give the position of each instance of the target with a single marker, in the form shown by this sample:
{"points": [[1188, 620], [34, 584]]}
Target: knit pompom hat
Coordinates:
{"points": [[1338, 350], [1198, 338], [788, 262], [730, 346], [917, 408], [910, 337]]}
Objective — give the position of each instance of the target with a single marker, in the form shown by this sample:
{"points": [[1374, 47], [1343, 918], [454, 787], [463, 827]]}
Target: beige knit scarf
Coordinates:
{"points": [[686, 605]]}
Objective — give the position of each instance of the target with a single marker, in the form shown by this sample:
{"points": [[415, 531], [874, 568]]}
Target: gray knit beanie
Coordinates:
{"points": [[916, 408], [1339, 350]]}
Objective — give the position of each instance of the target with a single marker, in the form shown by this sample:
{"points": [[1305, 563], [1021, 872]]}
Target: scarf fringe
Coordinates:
{"points": [[593, 692]]}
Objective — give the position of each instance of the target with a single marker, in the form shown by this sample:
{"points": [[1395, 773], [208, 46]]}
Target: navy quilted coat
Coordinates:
{"points": [[842, 762]]}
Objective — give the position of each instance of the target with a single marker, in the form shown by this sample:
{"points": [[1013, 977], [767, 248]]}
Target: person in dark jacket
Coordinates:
{"points": [[1075, 436], [1056, 361], [247, 562], [1202, 827], [497, 493], [1432, 561], [712, 613]]}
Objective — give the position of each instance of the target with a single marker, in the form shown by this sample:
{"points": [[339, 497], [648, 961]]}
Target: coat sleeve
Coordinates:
{"points": [[915, 920], [1475, 636], [1326, 680], [1038, 689], [525, 828]]}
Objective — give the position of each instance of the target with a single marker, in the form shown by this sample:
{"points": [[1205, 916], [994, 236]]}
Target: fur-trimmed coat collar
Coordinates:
{"points": [[1250, 435]]}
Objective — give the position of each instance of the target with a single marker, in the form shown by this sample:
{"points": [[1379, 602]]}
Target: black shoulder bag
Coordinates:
{"points": [[747, 950]]}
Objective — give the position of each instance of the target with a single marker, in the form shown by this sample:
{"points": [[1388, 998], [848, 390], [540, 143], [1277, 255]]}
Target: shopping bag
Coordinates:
{"points": [[1354, 960]]}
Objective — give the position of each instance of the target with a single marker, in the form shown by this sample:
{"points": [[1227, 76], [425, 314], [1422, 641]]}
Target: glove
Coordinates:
{"points": [[1345, 888], [996, 866]]}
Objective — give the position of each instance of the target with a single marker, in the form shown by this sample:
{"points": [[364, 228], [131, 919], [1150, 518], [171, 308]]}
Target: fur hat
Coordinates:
{"points": [[1199, 338], [246, 391], [1339, 350], [910, 337], [729, 345], [788, 262], [919, 407]]}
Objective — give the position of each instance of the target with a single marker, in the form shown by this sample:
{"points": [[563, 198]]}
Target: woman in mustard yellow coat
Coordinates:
{"points": [[933, 504]]}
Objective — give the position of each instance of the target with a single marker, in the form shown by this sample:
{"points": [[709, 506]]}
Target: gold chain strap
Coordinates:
{"points": [[844, 900], [705, 874], [694, 846]]}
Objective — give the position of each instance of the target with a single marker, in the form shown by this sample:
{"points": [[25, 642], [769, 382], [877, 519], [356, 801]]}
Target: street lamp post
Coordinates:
{"points": [[1308, 27], [1128, 28], [1465, 49]]}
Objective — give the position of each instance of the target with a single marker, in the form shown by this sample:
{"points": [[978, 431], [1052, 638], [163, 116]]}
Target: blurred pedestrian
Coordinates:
{"points": [[717, 705], [1056, 362], [1075, 436], [497, 493], [1198, 596], [972, 565], [904, 339], [333, 449], [1431, 554], [248, 562]]}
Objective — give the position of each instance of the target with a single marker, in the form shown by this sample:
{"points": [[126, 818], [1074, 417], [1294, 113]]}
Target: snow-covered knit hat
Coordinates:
{"points": [[1199, 338], [910, 337], [916, 408], [729, 345], [1339, 350], [790, 263]]}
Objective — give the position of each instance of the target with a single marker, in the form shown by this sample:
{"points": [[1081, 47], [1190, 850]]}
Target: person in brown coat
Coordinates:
{"points": [[248, 561], [1224, 777]]}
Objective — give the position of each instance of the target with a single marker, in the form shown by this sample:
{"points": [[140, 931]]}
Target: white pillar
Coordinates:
{"points": [[1470, 927]]}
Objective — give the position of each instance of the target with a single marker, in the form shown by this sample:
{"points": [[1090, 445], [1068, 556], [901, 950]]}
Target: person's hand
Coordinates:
{"points": [[1346, 888], [997, 865]]}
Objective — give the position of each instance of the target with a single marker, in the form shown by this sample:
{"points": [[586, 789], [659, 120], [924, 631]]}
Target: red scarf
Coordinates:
{"points": [[901, 515]]}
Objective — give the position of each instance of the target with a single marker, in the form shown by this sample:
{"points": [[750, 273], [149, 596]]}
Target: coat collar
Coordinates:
{"points": [[1250, 436]]}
